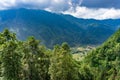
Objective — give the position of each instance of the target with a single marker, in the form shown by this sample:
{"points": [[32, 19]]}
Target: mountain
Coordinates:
{"points": [[104, 62], [52, 28]]}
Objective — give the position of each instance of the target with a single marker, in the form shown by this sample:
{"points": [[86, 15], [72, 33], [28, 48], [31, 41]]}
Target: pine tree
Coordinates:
{"points": [[42, 64], [55, 64], [30, 49], [62, 65], [36, 61], [10, 57]]}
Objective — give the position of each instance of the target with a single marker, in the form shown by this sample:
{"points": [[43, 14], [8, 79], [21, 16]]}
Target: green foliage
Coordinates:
{"points": [[10, 57], [104, 62], [29, 60], [62, 65], [36, 60]]}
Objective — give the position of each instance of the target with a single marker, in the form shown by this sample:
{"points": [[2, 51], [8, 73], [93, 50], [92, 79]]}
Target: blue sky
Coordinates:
{"points": [[101, 3], [97, 9]]}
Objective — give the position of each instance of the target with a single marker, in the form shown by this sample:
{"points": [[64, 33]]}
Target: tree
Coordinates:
{"points": [[36, 60], [10, 57], [62, 65]]}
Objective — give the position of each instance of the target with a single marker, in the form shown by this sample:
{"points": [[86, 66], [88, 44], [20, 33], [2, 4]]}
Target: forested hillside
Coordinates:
{"points": [[103, 63], [28, 60], [53, 28]]}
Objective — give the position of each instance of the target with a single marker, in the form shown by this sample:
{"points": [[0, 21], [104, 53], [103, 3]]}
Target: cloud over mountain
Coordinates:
{"points": [[100, 13], [97, 9]]}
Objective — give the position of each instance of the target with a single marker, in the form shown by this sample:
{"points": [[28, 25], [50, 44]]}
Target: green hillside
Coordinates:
{"points": [[53, 28], [104, 62], [29, 60]]}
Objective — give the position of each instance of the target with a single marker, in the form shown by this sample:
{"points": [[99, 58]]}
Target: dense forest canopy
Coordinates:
{"points": [[29, 60]]}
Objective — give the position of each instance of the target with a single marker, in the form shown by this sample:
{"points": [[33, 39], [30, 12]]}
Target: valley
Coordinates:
{"points": [[59, 39], [53, 28]]}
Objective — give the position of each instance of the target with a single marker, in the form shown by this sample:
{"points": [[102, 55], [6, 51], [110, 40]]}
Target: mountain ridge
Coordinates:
{"points": [[54, 28]]}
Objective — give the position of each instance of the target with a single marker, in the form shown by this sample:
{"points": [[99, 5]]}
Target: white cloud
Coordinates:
{"points": [[7, 3], [100, 13], [55, 5], [59, 5]]}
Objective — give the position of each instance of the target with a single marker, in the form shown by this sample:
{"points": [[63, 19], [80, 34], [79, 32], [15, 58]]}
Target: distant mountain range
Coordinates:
{"points": [[52, 28]]}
